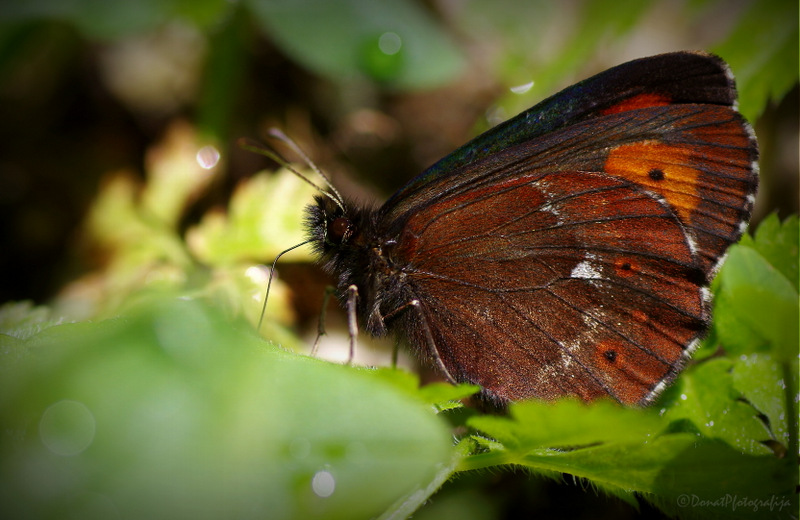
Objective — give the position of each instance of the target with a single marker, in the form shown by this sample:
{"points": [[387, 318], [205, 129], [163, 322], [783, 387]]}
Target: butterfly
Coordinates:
{"points": [[567, 251]]}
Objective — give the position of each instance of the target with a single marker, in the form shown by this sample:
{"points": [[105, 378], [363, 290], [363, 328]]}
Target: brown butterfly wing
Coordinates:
{"points": [[576, 264], [565, 298]]}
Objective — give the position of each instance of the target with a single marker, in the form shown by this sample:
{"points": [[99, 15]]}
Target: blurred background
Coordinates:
{"points": [[374, 92]]}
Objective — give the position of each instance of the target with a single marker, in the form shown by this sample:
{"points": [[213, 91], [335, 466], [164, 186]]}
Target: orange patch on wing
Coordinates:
{"points": [[639, 101], [662, 168]]}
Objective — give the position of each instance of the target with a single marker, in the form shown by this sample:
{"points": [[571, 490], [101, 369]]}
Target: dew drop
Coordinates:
{"points": [[323, 484], [207, 157], [522, 89]]}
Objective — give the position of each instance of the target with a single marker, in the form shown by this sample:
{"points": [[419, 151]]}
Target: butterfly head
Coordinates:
{"points": [[328, 225], [344, 237], [336, 228]]}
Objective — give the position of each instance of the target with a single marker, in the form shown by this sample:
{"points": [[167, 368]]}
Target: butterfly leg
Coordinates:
{"points": [[395, 352], [428, 337], [352, 320], [430, 341], [390, 316], [321, 330]]}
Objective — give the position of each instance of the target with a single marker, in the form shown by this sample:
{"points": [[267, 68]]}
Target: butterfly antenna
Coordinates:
{"points": [[285, 139], [269, 281], [245, 144]]}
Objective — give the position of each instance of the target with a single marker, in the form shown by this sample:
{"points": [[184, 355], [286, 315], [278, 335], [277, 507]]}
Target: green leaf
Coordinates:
{"points": [[445, 396], [683, 473], [707, 451], [173, 412], [670, 467], [393, 41], [264, 217], [777, 242], [22, 319], [761, 381], [707, 397], [757, 307], [566, 423]]}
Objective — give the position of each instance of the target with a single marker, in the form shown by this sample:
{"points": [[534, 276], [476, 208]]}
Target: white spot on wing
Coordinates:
{"points": [[553, 210], [690, 348], [742, 227], [706, 294], [586, 271], [657, 390], [548, 208], [691, 243], [713, 273]]}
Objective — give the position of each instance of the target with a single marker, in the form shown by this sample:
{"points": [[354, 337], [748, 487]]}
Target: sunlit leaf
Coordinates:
{"points": [[265, 216], [706, 396]]}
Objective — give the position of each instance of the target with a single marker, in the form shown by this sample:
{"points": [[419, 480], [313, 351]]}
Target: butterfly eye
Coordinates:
{"points": [[338, 230]]}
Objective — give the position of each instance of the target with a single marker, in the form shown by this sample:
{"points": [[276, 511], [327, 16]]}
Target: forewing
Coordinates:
{"points": [[666, 123], [665, 79]]}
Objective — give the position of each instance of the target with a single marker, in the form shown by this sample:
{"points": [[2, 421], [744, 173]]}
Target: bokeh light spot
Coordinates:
{"points": [[67, 428]]}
